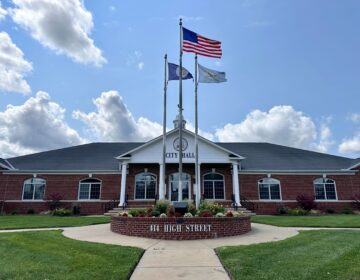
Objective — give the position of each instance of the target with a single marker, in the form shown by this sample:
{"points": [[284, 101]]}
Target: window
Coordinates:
{"points": [[34, 189], [214, 186], [325, 189], [89, 189], [269, 189], [145, 186]]}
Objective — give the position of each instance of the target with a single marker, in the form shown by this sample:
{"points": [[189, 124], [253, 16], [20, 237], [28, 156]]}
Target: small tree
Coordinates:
{"points": [[54, 201], [306, 202]]}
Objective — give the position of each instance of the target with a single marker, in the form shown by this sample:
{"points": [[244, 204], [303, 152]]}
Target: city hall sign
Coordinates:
{"points": [[176, 145]]}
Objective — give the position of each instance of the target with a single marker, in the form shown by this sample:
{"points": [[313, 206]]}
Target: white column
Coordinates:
{"points": [[123, 183], [161, 182], [236, 183]]}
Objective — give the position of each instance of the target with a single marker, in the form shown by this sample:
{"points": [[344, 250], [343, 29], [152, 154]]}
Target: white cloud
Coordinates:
{"points": [[141, 65], [281, 125], [354, 117], [36, 125], [63, 26], [134, 59], [13, 66], [112, 121], [350, 145], [325, 138], [3, 12], [207, 135]]}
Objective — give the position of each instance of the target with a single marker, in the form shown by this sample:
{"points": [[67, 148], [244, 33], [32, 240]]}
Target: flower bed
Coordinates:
{"points": [[183, 228]]}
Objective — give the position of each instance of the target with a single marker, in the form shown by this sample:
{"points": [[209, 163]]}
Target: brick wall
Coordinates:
{"points": [[293, 185], [11, 187], [215, 227]]}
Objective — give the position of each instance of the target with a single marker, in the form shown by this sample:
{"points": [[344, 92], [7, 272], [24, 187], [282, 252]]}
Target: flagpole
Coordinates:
{"points": [[180, 115], [197, 171], [162, 190]]}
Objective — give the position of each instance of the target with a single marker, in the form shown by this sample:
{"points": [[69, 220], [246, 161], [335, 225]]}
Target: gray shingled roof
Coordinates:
{"points": [[265, 156], [258, 156], [94, 156], [4, 163]]}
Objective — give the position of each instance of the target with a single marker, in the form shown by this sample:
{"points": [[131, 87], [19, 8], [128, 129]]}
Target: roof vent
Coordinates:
{"points": [[177, 121]]}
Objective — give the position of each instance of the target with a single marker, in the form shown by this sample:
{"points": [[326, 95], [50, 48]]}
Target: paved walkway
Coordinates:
{"points": [[166, 259]]}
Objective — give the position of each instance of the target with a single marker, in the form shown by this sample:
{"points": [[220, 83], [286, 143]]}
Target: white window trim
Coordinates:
{"points": [[32, 199], [89, 199], [223, 180], [156, 186], [269, 199], [323, 185]]}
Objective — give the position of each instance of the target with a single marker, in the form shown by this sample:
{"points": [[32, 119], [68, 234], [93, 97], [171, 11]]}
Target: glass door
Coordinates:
{"points": [[174, 186]]}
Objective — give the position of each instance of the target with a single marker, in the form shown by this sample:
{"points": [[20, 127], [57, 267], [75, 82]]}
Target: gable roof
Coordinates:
{"points": [[213, 144]]}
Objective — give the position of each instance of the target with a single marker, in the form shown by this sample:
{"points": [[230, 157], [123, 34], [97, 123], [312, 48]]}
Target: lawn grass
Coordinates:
{"points": [[335, 221], [311, 255], [44, 221], [50, 255]]}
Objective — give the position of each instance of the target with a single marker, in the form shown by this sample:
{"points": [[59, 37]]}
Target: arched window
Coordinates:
{"points": [[34, 189], [145, 186], [89, 189], [269, 189], [214, 186], [325, 189]]}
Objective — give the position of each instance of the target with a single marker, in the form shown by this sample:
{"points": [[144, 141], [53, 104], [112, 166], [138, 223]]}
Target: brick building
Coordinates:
{"points": [[99, 176]]}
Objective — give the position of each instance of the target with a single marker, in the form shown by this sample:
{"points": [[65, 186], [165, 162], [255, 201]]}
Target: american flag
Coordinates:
{"points": [[201, 45]]}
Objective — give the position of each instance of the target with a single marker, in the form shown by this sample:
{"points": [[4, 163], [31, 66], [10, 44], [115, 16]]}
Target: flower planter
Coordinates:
{"points": [[181, 228]]}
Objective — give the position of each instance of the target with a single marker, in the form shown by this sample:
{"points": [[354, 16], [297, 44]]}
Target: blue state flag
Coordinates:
{"points": [[207, 75], [174, 72]]}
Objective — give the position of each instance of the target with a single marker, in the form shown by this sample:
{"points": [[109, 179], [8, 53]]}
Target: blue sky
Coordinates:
{"points": [[292, 67]]}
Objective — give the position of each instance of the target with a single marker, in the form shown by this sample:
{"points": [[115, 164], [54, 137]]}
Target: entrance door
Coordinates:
{"points": [[174, 186]]}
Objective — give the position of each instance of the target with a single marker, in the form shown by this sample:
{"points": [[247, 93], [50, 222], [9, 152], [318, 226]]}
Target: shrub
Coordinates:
{"points": [[62, 212], [214, 208], [356, 201], [188, 215], [162, 206], [30, 212], [314, 212], [282, 210], [163, 215], [14, 212], [220, 215], [206, 214], [229, 214], [54, 201], [306, 202], [171, 211], [191, 207], [178, 214], [347, 211], [155, 213], [297, 212], [137, 212], [330, 211], [123, 214], [149, 211]]}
